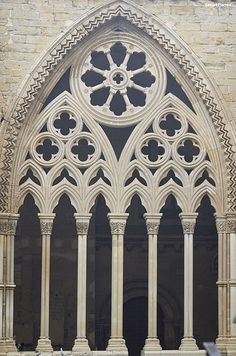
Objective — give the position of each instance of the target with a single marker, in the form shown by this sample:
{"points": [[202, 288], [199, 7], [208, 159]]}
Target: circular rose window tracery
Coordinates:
{"points": [[118, 80]]}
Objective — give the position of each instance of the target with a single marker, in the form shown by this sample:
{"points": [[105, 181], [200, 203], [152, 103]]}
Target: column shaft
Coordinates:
{"points": [[188, 222], [152, 342], [8, 224], [82, 224], [231, 270], [46, 222], [117, 223], [221, 225]]}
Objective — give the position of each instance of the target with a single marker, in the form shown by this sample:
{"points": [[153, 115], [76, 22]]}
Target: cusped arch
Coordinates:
{"points": [[165, 38]]}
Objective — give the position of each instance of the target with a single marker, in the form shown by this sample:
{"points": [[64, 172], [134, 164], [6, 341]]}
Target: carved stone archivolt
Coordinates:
{"points": [[119, 80]]}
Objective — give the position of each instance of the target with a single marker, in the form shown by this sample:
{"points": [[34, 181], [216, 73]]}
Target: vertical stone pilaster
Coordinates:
{"points": [[221, 225], [8, 224], [188, 342], [152, 342], [231, 270], [117, 223], [46, 223], [82, 225]]}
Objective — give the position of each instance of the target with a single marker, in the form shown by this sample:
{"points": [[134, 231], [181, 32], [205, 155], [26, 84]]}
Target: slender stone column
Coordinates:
{"points": [[117, 223], [82, 225], [188, 342], [231, 269], [221, 225], [152, 342], [46, 223], [8, 224]]}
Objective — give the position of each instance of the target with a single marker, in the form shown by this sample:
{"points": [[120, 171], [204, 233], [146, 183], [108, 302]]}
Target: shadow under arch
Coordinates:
{"points": [[27, 276]]}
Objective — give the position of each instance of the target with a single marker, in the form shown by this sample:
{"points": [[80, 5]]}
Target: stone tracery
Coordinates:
{"points": [[170, 144]]}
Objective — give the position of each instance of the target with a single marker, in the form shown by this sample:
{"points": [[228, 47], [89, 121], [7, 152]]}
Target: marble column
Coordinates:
{"points": [[188, 343], [117, 224], [152, 342], [46, 223], [82, 225], [8, 224], [221, 225], [231, 290]]}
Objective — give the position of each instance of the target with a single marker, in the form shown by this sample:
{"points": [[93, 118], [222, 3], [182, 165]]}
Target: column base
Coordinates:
{"points": [[44, 345], [81, 344], [152, 344], [117, 344], [188, 344], [7, 345]]}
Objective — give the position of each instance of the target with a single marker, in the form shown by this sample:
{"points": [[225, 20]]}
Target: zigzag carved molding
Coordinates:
{"points": [[72, 38]]}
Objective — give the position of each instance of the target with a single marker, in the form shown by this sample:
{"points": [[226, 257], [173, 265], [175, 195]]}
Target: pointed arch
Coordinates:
{"points": [[166, 39]]}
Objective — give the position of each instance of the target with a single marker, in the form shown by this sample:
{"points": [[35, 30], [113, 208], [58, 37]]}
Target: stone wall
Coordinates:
{"points": [[29, 27]]}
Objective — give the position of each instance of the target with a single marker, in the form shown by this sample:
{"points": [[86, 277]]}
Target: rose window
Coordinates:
{"points": [[118, 79]]}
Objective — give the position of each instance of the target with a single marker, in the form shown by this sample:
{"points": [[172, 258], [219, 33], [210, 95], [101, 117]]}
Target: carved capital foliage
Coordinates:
{"points": [[46, 227], [117, 227], [8, 227], [152, 227], [221, 226], [231, 226], [188, 227], [82, 227]]}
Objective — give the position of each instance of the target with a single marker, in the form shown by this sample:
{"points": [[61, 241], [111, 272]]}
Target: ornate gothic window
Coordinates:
{"points": [[121, 128]]}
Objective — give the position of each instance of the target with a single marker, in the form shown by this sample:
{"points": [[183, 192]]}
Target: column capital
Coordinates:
{"points": [[152, 222], [221, 223], [46, 223], [8, 223], [82, 223], [117, 222], [231, 222], [188, 221]]}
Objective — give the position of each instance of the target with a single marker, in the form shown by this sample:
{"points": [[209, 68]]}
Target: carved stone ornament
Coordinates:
{"points": [[74, 36], [231, 226], [46, 227], [117, 227], [152, 227], [188, 227], [221, 226], [7, 227], [82, 227]]}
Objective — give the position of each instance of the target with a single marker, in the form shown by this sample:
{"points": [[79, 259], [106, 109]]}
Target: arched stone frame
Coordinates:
{"points": [[182, 54], [183, 57]]}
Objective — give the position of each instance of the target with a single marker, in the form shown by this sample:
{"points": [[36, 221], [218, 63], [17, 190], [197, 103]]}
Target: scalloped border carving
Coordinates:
{"points": [[152, 26]]}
